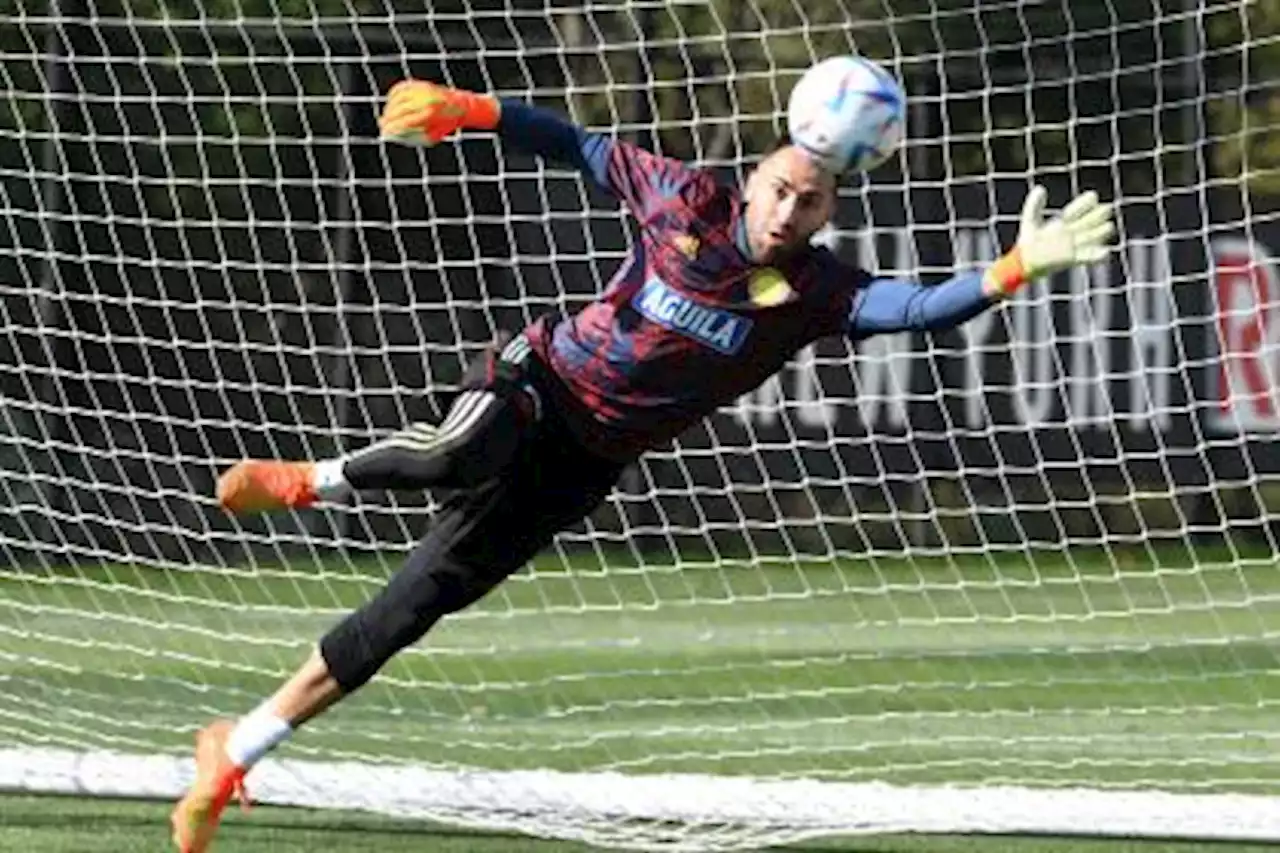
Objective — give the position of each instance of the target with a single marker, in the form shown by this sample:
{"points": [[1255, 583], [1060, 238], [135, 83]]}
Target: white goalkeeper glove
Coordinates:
{"points": [[1076, 236]]}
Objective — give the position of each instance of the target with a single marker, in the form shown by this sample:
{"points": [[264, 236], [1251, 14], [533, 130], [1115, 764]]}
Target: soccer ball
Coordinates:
{"points": [[848, 113]]}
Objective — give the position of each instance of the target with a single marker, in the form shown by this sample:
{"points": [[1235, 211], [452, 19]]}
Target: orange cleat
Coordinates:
{"points": [[195, 819], [263, 486]]}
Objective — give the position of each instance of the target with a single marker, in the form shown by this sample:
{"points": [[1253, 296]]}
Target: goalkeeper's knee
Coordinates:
{"points": [[431, 585]]}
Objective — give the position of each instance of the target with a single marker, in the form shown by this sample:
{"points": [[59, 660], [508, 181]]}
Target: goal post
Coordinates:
{"points": [[1016, 577]]}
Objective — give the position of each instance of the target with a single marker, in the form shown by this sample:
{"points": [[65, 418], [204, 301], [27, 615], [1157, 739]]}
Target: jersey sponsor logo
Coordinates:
{"points": [[767, 287], [688, 245], [717, 328]]}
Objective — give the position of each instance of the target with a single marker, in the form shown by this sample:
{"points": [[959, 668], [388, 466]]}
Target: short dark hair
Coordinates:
{"points": [[784, 140]]}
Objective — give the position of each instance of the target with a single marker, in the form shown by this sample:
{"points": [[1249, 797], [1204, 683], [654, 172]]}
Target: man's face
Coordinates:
{"points": [[789, 197]]}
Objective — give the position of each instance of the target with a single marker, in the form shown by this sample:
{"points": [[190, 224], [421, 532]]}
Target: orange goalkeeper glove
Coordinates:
{"points": [[422, 113]]}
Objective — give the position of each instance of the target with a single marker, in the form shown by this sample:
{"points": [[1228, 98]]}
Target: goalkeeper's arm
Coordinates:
{"points": [[419, 112], [1077, 236]]}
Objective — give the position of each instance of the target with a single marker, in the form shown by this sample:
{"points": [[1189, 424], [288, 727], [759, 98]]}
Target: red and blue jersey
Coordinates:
{"points": [[690, 322]]}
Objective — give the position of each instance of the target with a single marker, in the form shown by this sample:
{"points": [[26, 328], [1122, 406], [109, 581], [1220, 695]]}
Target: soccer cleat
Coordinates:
{"points": [[256, 485], [195, 819]]}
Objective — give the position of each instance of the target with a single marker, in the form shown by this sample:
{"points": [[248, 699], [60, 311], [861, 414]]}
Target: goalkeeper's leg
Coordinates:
{"points": [[479, 538], [477, 439]]}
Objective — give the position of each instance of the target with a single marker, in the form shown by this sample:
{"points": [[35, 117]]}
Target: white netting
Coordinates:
{"points": [[1034, 558]]}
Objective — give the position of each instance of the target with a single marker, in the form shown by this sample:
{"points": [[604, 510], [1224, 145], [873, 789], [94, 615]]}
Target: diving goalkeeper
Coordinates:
{"points": [[722, 289]]}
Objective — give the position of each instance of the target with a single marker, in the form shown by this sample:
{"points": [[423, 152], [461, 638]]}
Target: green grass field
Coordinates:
{"points": [[1089, 668], [65, 825]]}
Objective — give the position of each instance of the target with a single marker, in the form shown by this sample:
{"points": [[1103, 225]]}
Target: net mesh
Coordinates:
{"points": [[1038, 551]]}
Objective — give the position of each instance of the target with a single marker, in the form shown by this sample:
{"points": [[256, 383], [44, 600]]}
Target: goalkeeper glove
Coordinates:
{"points": [[423, 113], [1077, 236]]}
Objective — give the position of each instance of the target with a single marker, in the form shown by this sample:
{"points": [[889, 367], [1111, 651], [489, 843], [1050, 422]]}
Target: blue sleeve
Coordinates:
{"points": [[891, 305], [547, 134], [630, 173]]}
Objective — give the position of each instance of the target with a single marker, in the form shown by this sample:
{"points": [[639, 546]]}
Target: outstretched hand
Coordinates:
{"points": [[1078, 235], [422, 113]]}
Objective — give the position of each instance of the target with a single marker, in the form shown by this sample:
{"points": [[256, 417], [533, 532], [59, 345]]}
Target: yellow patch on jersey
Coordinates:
{"points": [[767, 288], [688, 245]]}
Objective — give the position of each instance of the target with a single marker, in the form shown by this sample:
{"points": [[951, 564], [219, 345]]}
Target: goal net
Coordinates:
{"points": [[1016, 576]]}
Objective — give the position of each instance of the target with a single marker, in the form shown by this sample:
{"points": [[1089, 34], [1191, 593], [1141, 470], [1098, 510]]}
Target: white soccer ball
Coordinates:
{"points": [[848, 113]]}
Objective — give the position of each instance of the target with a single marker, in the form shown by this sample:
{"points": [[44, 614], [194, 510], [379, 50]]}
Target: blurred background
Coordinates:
{"points": [[207, 254]]}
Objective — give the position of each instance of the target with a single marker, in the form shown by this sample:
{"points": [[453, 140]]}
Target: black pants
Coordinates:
{"points": [[525, 478]]}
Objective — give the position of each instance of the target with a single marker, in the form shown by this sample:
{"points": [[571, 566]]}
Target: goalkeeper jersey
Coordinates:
{"points": [[690, 322]]}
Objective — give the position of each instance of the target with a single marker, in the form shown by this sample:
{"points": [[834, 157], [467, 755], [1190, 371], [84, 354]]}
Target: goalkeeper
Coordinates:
{"points": [[722, 289]]}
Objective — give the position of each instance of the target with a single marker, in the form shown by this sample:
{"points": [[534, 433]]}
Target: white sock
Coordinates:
{"points": [[329, 482], [257, 733]]}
